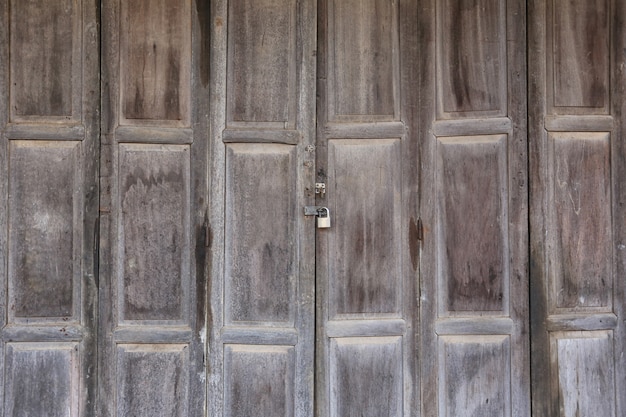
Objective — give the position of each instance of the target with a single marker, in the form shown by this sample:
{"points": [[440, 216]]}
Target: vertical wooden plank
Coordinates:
{"points": [[576, 205], [367, 262], [49, 101], [4, 171], [154, 223], [618, 162], [262, 258], [154, 236], [474, 208], [580, 220]]}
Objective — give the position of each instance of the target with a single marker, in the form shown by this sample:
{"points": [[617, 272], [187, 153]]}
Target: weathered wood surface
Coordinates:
{"points": [[261, 312], [49, 125], [153, 209], [577, 161], [474, 316], [367, 262]]}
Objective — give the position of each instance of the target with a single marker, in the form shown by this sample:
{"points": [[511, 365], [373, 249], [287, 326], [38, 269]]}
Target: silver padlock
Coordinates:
{"points": [[323, 218]]}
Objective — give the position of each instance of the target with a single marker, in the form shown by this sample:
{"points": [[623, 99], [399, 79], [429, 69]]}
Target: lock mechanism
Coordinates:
{"points": [[322, 215]]}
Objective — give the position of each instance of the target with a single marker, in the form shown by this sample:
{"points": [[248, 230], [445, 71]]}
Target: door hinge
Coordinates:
{"points": [[207, 236], [420, 230]]}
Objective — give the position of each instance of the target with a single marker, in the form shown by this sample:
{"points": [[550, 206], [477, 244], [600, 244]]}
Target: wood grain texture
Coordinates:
{"points": [[43, 59], [482, 185], [368, 155], [154, 187], [366, 375], [580, 197], [260, 233], [581, 55], [473, 236], [365, 205], [363, 60], [262, 264], [42, 380], [475, 376], [584, 373], [259, 381], [154, 235], [44, 246], [155, 60], [576, 160], [151, 380], [472, 56], [261, 66]]}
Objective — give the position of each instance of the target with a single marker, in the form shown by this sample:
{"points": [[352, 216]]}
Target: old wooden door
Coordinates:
{"points": [[49, 93], [272, 290], [474, 277], [209, 292], [578, 233], [153, 208]]}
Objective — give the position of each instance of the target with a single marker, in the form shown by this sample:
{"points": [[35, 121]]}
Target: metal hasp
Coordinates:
{"points": [[320, 188], [321, 213]]}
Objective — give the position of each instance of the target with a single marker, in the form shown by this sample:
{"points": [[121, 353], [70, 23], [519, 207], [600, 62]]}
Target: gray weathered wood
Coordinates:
{"points": [[475, 376], [49, 124], [474, 208], [367, 262], [578, 40], [261, 335], [153, 209], [577, 160], [471, 57]]}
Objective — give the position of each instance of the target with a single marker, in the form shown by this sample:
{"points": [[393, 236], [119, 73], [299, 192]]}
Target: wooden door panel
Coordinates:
{"points": [[153, 210], [583, 372], [579, 185], [366, 374], [259, 380], [472, 178], [44, 379], [261, 178], [471, 58], [474, 314], [156, 39], [361, 45], [367, 261], [578, 44], [45, 48], [262, 62], [367, 265], [49, 100], [153, 279], [152, 379], [261, 251], [577, 157], [475, 373], [43, 245]]}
